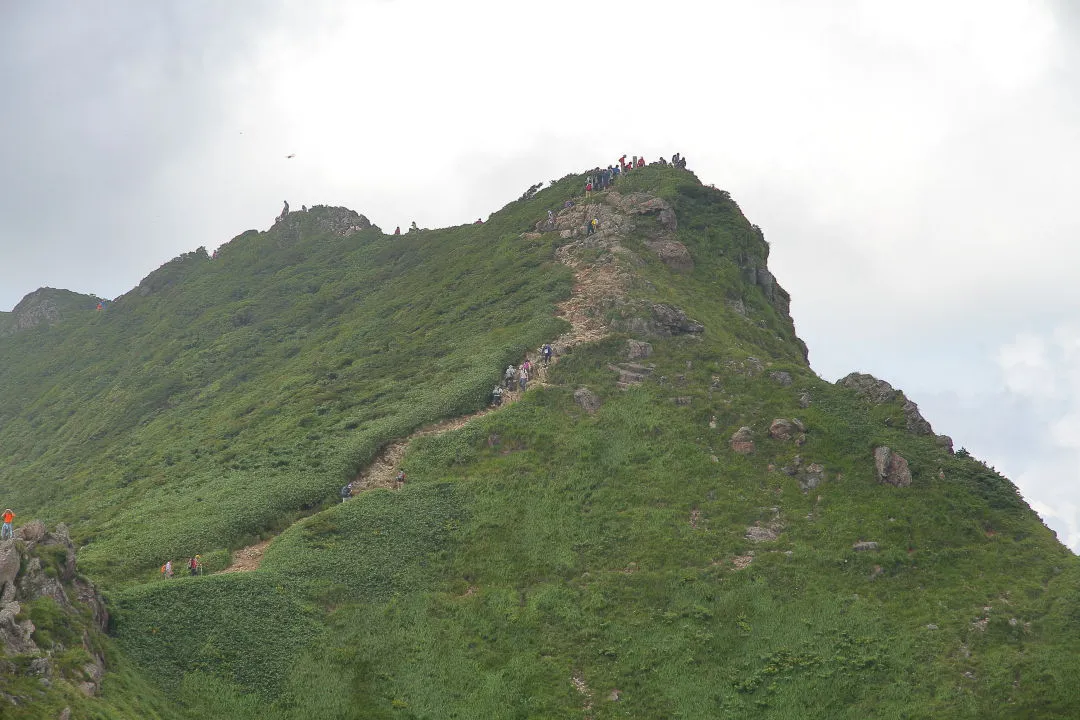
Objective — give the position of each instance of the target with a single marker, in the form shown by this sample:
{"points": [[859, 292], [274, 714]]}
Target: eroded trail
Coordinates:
{"points": [[596, 287]]}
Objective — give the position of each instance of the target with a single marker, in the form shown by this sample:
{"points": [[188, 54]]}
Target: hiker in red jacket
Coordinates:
{"points": [[397, 230], [641, 162], [588, 190], [6, 531]]}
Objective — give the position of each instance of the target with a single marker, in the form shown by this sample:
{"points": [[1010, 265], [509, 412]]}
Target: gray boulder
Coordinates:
{"points": [[588, 400], [891, 467]]}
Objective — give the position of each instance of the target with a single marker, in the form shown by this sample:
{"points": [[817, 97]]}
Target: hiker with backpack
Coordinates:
{"points": [[195, 565], [346, 492], [6, 531], [523, 377], [400, 478], [496, 396], [166, 569], [509, 376], [546, 353]]}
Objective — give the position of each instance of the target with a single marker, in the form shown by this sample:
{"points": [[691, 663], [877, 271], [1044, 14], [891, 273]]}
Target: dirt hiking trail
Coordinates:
{"points": [[596, 286]]}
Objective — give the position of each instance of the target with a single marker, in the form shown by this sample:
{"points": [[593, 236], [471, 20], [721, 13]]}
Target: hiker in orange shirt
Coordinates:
{"points": [[6, 531]]}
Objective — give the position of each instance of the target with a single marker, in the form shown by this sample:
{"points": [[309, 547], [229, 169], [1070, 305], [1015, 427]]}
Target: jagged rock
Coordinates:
{"points": [[736, 306], [869, 388], [32, 531], [15, 636], [637, 350], [916, 423], [587, 399], [781, 377], [742, 441], [946, 442], [337, 220], [9, 562], [891, 467], [804, 399], [864, 546], [669, 320]]}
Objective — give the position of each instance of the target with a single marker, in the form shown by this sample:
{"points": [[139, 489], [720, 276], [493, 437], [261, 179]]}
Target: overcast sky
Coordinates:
{"points": [[913, 164]]}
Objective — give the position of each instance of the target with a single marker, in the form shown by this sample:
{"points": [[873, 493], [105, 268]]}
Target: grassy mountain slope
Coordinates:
{"points": [[542, 561]]}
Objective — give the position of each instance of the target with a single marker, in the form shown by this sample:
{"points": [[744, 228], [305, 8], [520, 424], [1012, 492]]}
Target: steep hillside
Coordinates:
{"points": [[676, 519]]}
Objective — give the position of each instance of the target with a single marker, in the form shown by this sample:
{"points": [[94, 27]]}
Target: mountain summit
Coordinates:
{"points": [[672, 516]]}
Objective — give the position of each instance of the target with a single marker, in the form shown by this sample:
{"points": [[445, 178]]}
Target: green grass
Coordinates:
{"points": [[537, 544]]}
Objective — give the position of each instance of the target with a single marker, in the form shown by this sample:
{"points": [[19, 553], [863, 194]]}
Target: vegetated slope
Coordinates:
{"points": [[222, 397], [580, 554]]}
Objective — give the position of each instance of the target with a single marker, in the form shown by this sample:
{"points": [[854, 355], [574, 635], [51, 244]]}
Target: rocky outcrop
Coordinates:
{"points": [[669, 320], [630, 374], [742, 442], [891, 467], [43, 306], [869, 388], [780, 377], [865, 546], [637, 350], [587, 399], [672, 253], [338, 220], [808, 475], [784, 429], [879, 392], [38, 566]]}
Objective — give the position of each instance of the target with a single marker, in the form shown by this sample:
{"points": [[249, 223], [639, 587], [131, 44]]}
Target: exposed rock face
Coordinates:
{"points": [[638, 350], [339, 220], [44, 305], [878, 392], [891, 467], [669, 320], [864, 546], [587, 399], [946, 442], [916, 423], [41, 564], [742, 441], [869, 388]]}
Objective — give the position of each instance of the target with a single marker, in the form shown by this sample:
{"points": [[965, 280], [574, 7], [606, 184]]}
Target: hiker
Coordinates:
{"points": [[478, 222], [589, 228], [588, 189], [346, 492], [166, 569], [99, 306], [284, 211], [622, 161], [523, 377], [595, 225], [527, 365], [400, 478], [193, 565], [509, 375], [6, 531], [397, 230], [641, 162], [546, 352], [496, 396]]}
